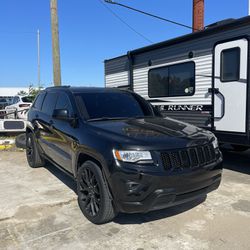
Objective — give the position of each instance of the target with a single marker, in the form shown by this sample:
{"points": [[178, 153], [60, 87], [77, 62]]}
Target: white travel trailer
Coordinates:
{"points": [[200, 78]]}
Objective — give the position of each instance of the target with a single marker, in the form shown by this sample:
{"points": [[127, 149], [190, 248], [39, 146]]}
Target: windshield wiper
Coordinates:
{"points": [[106, 119]]}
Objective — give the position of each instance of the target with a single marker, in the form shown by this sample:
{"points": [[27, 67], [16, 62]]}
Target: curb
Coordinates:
{"points": [[7, 141], [7, 144]]}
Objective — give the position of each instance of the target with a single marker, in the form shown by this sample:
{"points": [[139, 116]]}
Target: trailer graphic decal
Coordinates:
{"points": [[202, 108]]}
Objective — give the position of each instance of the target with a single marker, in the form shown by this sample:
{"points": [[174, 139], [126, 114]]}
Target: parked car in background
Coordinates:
{"points": [[3, 104], [19, 107], [124, 156]]}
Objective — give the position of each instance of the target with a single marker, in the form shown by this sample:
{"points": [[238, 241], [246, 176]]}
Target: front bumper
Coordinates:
{"points": [[142, 191]]}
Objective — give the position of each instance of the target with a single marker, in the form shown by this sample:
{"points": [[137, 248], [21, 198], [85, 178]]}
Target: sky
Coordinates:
{"points": [[89, 34]]}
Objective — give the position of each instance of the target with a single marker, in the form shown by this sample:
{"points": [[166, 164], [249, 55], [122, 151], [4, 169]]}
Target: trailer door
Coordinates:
{"points": [[230, 86]]}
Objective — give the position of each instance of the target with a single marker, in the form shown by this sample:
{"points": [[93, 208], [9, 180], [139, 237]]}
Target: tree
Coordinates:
{"points": [[33, 91], [22, 93]]}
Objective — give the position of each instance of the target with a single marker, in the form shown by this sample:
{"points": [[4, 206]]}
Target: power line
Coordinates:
{"points": [[124, 22], [151, 15]]}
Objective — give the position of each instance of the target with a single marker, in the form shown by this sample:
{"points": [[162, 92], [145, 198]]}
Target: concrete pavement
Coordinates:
{"points": [[38, 210]]}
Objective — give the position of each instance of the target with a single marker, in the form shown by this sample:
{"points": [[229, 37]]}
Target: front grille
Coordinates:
{"points": [[188, 158]]}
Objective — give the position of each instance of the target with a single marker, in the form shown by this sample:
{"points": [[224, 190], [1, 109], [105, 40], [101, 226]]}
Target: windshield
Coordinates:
{"points": [[28, 98], [110, 105]]}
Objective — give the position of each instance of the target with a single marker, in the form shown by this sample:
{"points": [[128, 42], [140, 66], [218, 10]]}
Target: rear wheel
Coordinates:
{"points": [[93, 194], [33, 157]]}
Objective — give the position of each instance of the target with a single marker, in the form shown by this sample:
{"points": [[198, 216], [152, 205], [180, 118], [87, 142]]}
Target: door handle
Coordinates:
{"points": [[217, 92], [37, 116]]}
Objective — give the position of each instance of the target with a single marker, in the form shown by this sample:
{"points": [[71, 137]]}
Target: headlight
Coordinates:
{"points": [[215, 142], [132, 156]]}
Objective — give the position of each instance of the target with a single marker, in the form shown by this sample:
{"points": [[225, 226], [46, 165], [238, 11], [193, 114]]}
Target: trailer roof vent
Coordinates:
{"points": [[220, 23]]}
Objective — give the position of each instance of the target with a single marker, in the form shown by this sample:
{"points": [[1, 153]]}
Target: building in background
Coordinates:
{"points": [[12, 91]]}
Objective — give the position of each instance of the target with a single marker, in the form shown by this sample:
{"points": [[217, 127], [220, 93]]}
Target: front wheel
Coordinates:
{"points": [[93, 194]]}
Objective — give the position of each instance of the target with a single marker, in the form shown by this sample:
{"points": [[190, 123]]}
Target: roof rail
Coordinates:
{"points": [[219, 23], [63, 86]]}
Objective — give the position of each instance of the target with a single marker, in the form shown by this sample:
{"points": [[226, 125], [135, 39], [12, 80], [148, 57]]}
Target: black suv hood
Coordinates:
{"points": [[153, 132]]}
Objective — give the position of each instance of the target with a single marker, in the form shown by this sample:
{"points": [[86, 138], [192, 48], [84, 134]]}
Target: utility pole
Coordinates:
{"points": [[55, 43], [38, 59]]}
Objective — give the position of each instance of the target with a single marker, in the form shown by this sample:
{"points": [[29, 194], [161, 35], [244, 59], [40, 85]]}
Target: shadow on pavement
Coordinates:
{"points": [[63, 177], [235, 161], [158, 214]]}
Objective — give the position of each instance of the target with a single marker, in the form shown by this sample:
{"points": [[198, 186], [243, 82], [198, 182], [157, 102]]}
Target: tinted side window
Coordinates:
{"points": [[174, 80], [63, 102], [28, 98], [39, 101], [230, 65], [49, 103], [15, 100]]}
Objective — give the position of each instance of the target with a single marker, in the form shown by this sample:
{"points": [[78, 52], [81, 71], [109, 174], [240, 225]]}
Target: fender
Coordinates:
{"points": [[92, 153], [29, 126]]}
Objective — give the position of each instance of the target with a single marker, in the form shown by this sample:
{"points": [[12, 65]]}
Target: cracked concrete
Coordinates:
{"points": [[38, 210]]}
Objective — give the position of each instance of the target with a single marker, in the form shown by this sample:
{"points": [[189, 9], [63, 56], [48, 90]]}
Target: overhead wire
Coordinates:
{"points": [[125, 23], [151, 15]]}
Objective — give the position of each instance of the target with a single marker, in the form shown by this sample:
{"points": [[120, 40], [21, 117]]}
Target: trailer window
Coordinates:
{"points": [[230, 65], [174, 80]]}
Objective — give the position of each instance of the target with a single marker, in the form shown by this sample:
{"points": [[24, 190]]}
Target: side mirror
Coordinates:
{"points": [[61, 114]]}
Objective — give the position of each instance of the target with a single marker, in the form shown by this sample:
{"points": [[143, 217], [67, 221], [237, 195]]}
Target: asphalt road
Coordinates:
{"points": [[38, 210]]}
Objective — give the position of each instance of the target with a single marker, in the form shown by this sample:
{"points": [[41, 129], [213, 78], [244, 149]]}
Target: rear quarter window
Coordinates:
{"points": [[39, 101]]}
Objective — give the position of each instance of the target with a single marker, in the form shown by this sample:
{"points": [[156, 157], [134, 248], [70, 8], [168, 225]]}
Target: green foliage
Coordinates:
{"points": [[22, 93], [33, 91]]}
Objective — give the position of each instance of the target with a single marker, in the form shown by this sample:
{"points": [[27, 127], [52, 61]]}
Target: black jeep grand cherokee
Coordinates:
{"points": [[123, 154]]}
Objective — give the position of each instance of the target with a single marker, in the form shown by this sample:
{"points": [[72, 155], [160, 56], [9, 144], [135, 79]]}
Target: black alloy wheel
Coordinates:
{"points": [[94, 198], [32, 154], [89, 192]]}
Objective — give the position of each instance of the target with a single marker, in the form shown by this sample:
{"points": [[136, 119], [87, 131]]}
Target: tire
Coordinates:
{"points": [[33, 157], [21, 141], [240, 148], [93, 194]]}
